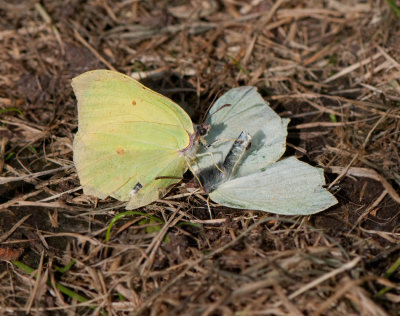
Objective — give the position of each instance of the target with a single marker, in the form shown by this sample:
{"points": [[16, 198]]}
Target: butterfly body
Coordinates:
{"points": [[212, 176]]}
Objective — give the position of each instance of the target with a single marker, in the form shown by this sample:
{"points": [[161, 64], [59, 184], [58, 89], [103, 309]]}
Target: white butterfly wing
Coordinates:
{"points": [[241, 109], [288, 187]]}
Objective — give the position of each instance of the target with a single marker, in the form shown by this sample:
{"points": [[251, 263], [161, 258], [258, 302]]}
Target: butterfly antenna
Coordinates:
{"points": [[216, 96], [224, 106]]}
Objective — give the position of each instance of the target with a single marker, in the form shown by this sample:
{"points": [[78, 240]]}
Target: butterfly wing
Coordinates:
{"points": [[244, 109], [288, 187], [127, 134]]}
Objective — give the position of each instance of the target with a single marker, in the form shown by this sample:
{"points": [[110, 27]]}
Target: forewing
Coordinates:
{"points": [[244, 109], [127, 134], [106, 96], [288, 187]]}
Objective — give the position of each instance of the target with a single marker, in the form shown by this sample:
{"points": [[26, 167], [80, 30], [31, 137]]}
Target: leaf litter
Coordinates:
{"points": [[332, 67]]}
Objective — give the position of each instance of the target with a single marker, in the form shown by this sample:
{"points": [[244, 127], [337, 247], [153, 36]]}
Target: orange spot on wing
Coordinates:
{"points": [[133, 102], [120, 151]]}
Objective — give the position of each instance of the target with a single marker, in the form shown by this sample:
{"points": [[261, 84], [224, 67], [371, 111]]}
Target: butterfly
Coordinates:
{"points": [[246, 173], [132, 143]]}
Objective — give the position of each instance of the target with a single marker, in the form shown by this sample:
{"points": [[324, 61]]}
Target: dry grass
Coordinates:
{"points": [[331, 66]]}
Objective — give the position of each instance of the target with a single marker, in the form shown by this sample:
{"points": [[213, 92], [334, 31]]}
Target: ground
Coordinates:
{"points": [[332, 67]]}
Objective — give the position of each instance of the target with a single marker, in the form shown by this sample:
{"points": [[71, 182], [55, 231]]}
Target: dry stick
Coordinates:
{"points": [[319, 54], [307, 12], [265, 20], [81, 238], [219, 220], [324, 109], [40, 204], [18, 241], [341, 290], [327, 124], [196, 262], [368, 173], [130, 294], [388, 57], [142, 33], [56, 196], [368, 164], [362, 104], [155, 244], [140, 75], [213, 306], [47, 19], [16, 200], [94, 51], [252, 287], [369, 208], [3, 144], [28, 126], [249, 50], [54, 284], [389, 236], [293, 310], [36, 286], [344, 172], [14, 228], [386, 65], [262, 24], [372, 88], [23, 31], [4, 180], [356, 156], [353, 67], [373, 128], [347, 266]]}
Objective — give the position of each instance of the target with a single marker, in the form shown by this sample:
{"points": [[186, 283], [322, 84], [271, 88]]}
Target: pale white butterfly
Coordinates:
{"points": [[251, 177]]}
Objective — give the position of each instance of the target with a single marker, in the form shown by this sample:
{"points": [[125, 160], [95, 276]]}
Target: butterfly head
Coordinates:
{"points": [[196, 138], [202, 130]]}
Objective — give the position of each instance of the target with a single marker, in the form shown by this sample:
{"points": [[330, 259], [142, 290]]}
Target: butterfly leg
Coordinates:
{"points": [[194, 172], [213, 159], [217, 141]]}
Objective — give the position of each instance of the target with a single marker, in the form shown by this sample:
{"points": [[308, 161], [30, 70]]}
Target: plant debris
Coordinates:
{"points": [[332, 67]]}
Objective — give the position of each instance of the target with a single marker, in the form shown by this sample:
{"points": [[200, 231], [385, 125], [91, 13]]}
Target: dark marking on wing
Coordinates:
{"points": [[136, 188], [120, 151], [167, 177]]}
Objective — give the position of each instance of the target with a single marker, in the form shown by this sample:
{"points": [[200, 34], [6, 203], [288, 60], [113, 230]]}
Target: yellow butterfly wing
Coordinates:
{"points": [[127, 135]]}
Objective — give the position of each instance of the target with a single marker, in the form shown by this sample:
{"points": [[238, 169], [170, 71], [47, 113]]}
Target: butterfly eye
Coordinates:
{"points": [[202, 129]]}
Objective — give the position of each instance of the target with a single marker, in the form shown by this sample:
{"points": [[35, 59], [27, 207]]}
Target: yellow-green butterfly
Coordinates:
{"points": [[132, 143]]}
